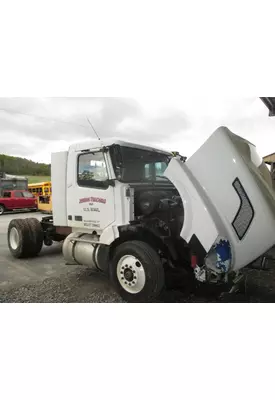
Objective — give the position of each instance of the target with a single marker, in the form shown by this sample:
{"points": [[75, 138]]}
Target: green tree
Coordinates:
{"points": [[22, 166]]}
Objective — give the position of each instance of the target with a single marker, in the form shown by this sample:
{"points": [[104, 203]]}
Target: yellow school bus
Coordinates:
{"points": [[40, 189], [43, 192]]}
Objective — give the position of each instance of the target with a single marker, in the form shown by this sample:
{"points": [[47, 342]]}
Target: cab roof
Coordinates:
{"points": [[97, 144]]}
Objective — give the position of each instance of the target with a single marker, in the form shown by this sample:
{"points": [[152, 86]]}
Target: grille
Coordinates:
{"points": [[245, 214]]}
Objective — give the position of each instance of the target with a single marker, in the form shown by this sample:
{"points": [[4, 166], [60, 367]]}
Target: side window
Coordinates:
{"points": [[18, 194], [28, 195], [7, 194], [92, 170]]}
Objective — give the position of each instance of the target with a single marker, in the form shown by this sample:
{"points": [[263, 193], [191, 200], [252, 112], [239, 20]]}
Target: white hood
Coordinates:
{"points": [[227, 193]]}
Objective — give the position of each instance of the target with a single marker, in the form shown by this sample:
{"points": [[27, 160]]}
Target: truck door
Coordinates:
{"points": [[28, 199], [18, 200], [90, 196]]}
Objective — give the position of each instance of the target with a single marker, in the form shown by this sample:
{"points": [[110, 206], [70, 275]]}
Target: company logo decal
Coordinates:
{"points": [[92, 200]]}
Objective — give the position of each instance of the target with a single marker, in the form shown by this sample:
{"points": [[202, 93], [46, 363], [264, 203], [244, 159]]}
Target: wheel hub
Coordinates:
{"points": [[128, 275], [131, 274], [14, 238]]}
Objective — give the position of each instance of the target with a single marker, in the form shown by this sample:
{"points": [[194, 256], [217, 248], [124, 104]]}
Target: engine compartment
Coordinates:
{"points": [[159, 208]]}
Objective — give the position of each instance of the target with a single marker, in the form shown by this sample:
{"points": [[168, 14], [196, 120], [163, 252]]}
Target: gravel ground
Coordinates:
{"points": [[81, 286], [89, 286]]}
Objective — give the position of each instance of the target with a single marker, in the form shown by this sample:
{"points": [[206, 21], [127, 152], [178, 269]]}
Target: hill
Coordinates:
{"points": [[22, 166], [38, 179]]}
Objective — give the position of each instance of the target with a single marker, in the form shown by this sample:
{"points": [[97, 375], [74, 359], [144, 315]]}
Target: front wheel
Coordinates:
{"points": [[137, 272]]}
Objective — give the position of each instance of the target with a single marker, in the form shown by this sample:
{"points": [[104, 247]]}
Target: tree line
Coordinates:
{"points": [[22, 166]]}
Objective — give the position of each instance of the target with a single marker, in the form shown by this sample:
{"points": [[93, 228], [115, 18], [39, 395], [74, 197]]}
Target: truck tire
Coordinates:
{"points": [[21, 240], [137, 272], [2, 209], [37, 235]]}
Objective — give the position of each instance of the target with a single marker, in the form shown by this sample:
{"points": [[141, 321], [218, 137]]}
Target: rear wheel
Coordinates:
{"points": [[2, 209], [24, 237], [37, 235], [137, 272]]}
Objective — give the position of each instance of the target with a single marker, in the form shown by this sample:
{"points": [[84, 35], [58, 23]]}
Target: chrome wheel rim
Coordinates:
{"points": [[14, 238], [131, 274]]}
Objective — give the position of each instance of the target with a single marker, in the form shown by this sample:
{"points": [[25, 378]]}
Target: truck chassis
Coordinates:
{"points": [[27, 236]]}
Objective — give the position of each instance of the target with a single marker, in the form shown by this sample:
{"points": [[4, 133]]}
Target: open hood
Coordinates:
{"points": [[227, 194]]}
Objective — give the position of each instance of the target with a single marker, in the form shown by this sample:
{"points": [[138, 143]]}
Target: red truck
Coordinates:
{"points": [[12, 200]]}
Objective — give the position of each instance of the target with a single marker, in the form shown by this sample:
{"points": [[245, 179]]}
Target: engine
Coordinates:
{"points": [[161, 210]]}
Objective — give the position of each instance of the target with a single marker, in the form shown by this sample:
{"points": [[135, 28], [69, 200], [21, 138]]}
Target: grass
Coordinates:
{"points": [[38, 179]]}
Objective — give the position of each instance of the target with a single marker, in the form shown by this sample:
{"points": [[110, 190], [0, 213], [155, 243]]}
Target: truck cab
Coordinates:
{"points": [[135, 212]]}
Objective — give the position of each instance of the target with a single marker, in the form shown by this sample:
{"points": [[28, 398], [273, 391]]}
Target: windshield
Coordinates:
{"points": [[137, 165]]}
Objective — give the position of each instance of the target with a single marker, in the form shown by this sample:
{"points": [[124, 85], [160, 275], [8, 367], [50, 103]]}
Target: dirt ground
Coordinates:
{"points": [[47, 279]]}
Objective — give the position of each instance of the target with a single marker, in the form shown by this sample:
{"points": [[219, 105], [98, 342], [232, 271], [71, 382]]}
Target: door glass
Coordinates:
{"points": [[18, 194], [92, 170]]}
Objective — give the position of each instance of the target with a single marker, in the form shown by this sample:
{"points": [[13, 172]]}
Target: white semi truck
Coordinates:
{"points": [[135, 212]]}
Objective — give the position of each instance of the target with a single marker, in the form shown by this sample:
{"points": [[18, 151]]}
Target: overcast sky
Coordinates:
{"points": [[181, 124]]}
